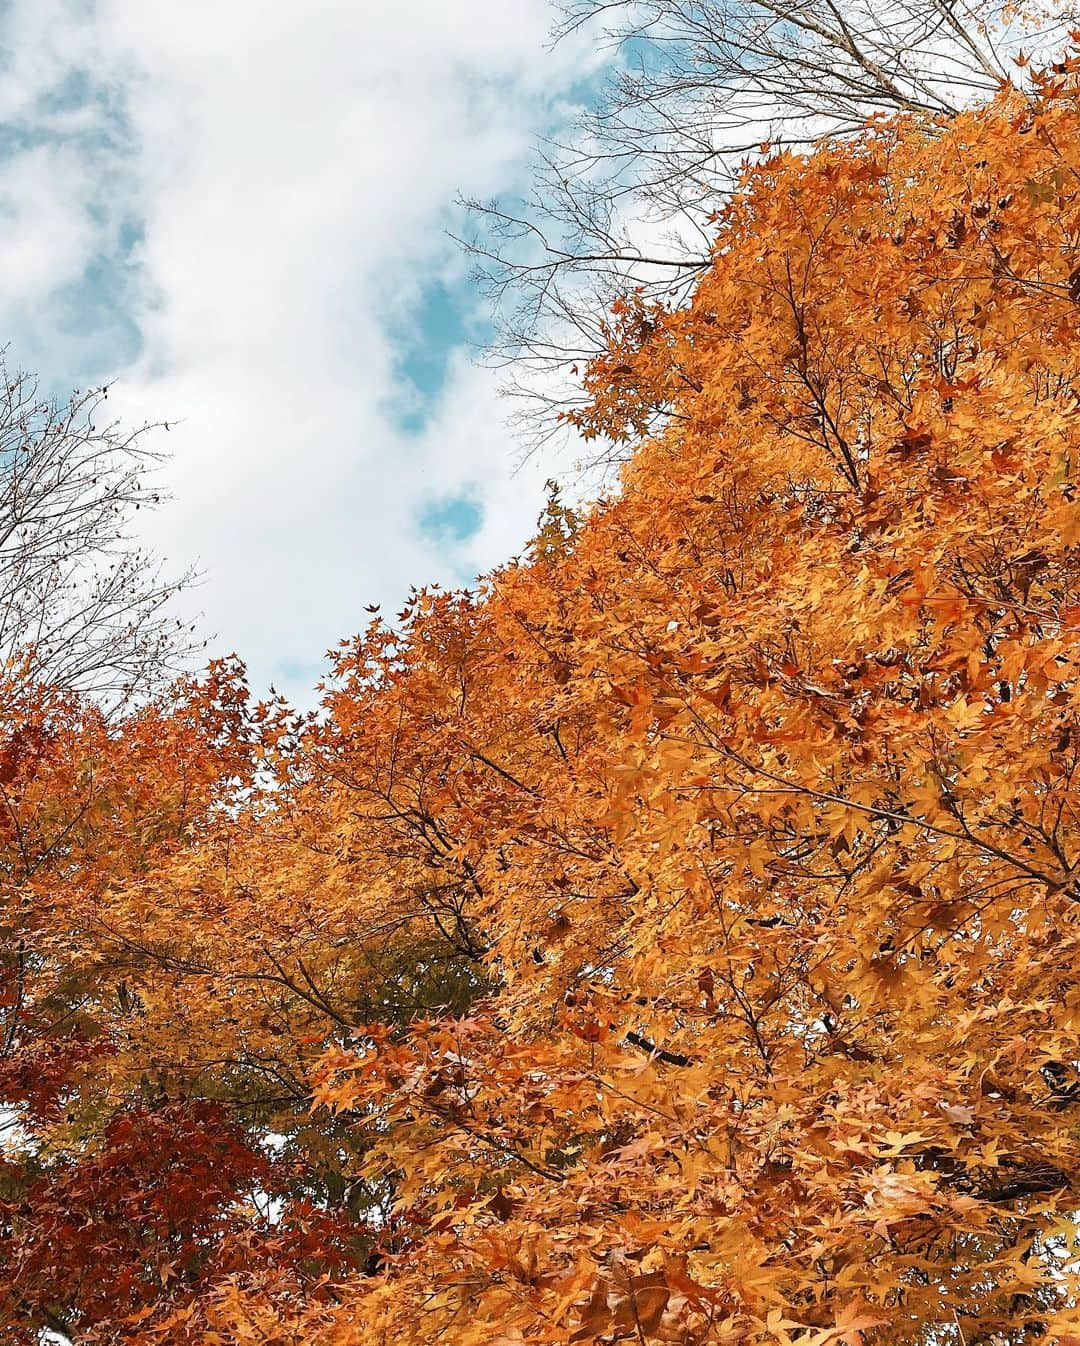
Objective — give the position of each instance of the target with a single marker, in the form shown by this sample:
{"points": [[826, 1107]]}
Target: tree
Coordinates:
{"points": [[674, 940], [81, 607], [627, 198], [178, 953], [762, 793], [104, 1179], [104, 768]]}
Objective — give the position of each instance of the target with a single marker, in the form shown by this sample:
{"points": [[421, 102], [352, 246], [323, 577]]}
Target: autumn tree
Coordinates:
{"points": [[755, 799], [183, 950], [104, 767], [673, 939], [91, 1185]]}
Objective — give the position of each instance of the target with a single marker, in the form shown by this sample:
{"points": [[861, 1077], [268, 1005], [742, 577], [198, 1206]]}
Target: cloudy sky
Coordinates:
{"points": [[237, 212]]}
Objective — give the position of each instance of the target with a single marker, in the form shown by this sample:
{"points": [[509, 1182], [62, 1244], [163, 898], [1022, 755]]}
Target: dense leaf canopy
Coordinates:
{"points": [[674, 939]]}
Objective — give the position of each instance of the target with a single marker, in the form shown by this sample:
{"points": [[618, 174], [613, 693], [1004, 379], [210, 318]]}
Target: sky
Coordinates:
{"points": [[235, 214]]}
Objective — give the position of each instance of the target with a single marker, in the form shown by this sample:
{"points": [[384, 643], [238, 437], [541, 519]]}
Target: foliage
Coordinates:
{"points": [[674, 940]]}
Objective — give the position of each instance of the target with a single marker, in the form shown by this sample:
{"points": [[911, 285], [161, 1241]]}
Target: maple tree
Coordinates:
{"points": [[673, 939], [88, 803], [758, 799]]}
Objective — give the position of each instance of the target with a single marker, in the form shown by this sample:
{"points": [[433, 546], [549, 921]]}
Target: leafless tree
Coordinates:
{"points": [[82, 607], [627, 197]]}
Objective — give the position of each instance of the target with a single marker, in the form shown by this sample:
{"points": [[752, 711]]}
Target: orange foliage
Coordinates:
{"points": [[679, 935], [761, 797]]}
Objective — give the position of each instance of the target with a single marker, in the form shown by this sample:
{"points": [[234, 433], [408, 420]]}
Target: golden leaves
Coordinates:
{"points": [[679, 934]]}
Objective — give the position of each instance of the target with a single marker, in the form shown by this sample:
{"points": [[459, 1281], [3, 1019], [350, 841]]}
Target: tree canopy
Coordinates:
{"points": [[673, 939]]}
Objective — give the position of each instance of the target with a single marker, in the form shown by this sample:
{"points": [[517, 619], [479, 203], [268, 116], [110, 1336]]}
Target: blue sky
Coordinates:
{"points": [[236, 213]]}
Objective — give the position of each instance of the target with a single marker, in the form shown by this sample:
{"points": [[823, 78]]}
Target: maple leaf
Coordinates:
{"points": [[673, 938]]}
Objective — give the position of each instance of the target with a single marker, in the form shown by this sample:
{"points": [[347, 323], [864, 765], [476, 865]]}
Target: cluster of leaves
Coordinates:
{"points": [[674, 940]]}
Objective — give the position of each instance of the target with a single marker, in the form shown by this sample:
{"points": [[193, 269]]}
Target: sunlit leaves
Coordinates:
{"points": [[674, 940]]}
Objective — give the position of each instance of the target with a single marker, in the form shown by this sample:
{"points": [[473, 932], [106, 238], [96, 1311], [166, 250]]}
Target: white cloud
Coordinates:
{"points": [[291, 168]]}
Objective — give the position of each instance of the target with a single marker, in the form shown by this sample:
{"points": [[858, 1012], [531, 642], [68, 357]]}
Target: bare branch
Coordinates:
{"points": [[627, 198], [82, 607]]}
